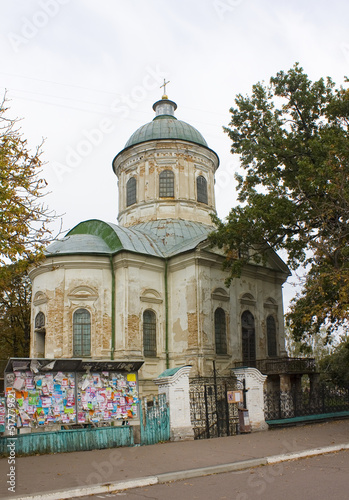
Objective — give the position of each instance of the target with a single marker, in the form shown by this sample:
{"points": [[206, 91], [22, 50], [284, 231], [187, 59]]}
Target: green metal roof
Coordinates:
{"points": [[160, 238], [166, 127], [169, 372]]}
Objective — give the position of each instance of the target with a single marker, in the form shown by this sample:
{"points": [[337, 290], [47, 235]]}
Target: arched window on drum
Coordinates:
{"points": [[166, 184], [201, 189], [131, 191]]}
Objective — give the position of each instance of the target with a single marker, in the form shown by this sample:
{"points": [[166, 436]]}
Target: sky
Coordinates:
{"points": [[83, 75]]}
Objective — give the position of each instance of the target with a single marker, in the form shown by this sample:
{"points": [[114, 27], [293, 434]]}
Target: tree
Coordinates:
{"points": [[292, 138], [15, 299], [335, 366], [24, 218], [317, 346]]}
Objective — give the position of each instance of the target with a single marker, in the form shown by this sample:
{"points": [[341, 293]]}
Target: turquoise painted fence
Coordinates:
{"points": [[68, 440], [154, 428], [155, 420]]}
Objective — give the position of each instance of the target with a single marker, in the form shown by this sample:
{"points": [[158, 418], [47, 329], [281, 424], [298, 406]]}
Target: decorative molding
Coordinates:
{"points": [[220, 294], [40, 298], [248, 299], [166, 161], [83, 293], [151, 296], [271, 304]]}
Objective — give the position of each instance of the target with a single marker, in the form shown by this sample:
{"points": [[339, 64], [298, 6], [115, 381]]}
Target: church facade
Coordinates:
{"points": [[151, 288]]}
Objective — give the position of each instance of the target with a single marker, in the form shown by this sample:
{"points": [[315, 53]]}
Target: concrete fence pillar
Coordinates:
{"points": [[254, 384], [174, 382]]}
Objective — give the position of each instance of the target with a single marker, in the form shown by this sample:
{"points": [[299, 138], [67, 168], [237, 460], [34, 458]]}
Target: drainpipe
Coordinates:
{"points": [[112, 308], [166, 317]]}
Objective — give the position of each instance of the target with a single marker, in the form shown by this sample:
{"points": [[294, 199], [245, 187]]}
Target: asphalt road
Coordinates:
{"points": [[322, 477]]}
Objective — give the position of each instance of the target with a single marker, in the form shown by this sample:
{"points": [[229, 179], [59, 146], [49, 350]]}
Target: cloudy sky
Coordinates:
{"points": [[83, 74]]}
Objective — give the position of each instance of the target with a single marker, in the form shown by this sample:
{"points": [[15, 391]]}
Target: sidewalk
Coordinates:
{"points": [[64, 471]]}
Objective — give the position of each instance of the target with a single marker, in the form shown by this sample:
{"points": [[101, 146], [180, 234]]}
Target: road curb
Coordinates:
{"points": [[214, 469], [81, 491], [306, 453], [176, 476]]}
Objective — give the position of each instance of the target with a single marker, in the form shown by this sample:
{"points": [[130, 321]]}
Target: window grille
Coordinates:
{"points": [[131, 191], [271, 336], [149, 333], [248, 339], [220, 328], [82, 333], [201, 188], [166, 184]]}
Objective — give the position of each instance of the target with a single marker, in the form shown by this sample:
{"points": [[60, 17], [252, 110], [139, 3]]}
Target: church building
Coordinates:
{"points": [[151, 288]]}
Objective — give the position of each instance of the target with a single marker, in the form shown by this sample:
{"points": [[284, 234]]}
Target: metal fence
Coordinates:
{"points": [[212, 415], [297, 403]]}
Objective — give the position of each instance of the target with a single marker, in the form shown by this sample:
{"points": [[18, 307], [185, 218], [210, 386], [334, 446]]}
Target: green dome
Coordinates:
{"points": [[166, 126]]}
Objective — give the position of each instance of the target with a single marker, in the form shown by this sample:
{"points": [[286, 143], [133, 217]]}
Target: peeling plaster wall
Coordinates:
{"points": [[195, 289], [212, 293], [69, 284], [139, 282], [146, 161]]}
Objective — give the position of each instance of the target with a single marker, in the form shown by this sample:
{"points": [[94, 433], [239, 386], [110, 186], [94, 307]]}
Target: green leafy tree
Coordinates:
{"points": [[24, 218], [335, 366], [292, 139], [15, 299]]}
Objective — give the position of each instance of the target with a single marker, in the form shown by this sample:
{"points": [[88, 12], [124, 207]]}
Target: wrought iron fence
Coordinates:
{"points": [[210, 412], [297, 403]]}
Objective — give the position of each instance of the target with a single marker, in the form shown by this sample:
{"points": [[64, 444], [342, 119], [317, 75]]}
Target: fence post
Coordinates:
{"points": [[174, 382], [254, 396]]}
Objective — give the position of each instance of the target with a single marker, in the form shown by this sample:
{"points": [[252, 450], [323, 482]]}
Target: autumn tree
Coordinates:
{"points": [[24, 232], [292, 139], [24, 218], [15, 299]]}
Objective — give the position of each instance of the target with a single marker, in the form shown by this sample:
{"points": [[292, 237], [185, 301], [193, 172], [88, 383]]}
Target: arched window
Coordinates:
{"points": [[39, 335], [248, 339], [220, 329], [131, 191], [40, 321], [166, 184], [201, 189], [149, 333], [271, 336], [82, 333]]}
